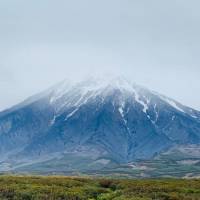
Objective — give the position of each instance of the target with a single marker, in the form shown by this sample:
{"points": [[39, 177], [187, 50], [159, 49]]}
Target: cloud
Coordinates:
{"points": [[156, 43]]}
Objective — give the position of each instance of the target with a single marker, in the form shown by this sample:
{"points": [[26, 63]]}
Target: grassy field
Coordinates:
{"points": [[61, 188]]}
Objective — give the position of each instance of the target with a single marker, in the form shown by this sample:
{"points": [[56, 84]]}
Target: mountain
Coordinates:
{"points": [[95, 124]]}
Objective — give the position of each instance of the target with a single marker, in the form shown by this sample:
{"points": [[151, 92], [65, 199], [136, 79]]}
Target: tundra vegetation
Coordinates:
{"points": [[77, 188]]}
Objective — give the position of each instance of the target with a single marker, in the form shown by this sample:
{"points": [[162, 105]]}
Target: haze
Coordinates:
{"points": [[155, 43]]}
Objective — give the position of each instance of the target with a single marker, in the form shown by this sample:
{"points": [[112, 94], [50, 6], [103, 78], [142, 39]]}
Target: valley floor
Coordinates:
{"points": [[77, 188]]}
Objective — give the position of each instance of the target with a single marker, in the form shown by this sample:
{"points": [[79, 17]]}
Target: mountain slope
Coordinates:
{"points": [[105, 122]]}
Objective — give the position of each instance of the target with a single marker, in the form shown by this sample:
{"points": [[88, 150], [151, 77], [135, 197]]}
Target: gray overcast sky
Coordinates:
{"points": [[154, 42]]}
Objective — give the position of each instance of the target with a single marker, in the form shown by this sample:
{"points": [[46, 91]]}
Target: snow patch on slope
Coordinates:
{"points": [[137, 98], [156, 114], [60, 90], [171, 103], [121, 111]]}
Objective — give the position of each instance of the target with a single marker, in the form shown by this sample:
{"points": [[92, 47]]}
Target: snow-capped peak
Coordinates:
{"points": [[91, 85], [97, 83], [73, 95]]}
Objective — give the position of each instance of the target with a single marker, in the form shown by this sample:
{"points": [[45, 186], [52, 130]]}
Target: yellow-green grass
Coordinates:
{"points": [[77, 188]]}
